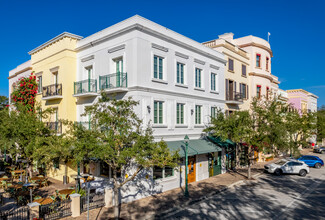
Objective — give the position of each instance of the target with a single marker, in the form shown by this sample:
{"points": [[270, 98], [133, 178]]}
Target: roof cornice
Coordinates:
{"points": [[144, 29], [19, 72], [57, 38], [265, 76], [257, 45]]}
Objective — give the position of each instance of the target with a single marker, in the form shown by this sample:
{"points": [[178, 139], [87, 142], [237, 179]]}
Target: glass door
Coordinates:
{"points": [[119, 71]]}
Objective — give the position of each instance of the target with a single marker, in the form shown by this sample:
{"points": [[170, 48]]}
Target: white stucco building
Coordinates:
{"points": [[23, 70], [178, 82]]}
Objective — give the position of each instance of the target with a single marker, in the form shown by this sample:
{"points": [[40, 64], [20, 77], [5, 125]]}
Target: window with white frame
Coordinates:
{"points": [[213, 112], [198, 116], [160, 173], [213, 82], [39, 79], [180, 73], [158, 67], [180, 113], [198, 77], [158, 112]]}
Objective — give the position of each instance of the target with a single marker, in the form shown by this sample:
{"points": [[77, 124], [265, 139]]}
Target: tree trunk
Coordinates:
{"points": [[65, 172], [116, 203], [249, 173]]}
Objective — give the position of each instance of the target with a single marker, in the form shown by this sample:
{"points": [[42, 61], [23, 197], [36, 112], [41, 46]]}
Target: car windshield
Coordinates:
{"points": [[280, 162]]}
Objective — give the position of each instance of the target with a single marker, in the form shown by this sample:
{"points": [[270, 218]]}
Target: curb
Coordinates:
{"points": [[170, 211]]}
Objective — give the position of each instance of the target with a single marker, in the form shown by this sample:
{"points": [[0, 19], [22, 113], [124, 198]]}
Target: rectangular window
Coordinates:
{"points": [[213, 81], [258, 60], [180, 113], [213, 112], [230, 65], [39, 84], [243, 90], [158, 112], [198, 77], [159, 173], [267, 92], [158, 67], [267, 63], [243, 70], [180, 73], [198, 114], [258, 91]]}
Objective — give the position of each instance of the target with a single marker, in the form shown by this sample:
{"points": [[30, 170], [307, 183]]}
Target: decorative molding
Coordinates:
{"points": [[57, 38], [199, 61], [257, 45], [235, 58], [88, 58], [54, 69], [114, 49], [214, 67], [264, 76], [151, 32], [19, 72], [181, 55], [39, 73], [156, 46], [53, 55], [179, 94]]}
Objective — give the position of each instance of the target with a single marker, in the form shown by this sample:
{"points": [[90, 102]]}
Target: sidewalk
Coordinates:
{"points": [[154, 206]]}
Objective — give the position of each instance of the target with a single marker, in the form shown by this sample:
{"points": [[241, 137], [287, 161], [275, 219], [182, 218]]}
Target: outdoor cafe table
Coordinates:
{"points": [[66, 191], [1, 179], [37, 178], [19, 171], [44, 201], [16, 186]]}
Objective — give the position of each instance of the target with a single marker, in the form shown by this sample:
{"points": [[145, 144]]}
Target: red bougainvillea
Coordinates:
{"points": [[25, 92]]}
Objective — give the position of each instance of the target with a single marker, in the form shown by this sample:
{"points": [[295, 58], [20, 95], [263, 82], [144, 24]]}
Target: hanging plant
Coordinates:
{"points": [[25, 92]]}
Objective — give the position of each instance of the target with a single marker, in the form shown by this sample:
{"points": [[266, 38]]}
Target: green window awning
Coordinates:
{"points": [[195, 147], [219, 142]]}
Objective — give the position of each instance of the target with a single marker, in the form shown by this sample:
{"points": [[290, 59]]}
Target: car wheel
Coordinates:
{"points": [[278, 172], [302, 173], [318, 166], [323, 152]]}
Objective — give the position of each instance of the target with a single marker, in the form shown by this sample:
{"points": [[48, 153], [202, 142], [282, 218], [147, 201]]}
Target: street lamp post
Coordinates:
{"points": [[186, 139]]}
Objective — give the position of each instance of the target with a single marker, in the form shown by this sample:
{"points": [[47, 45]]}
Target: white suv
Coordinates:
{"points": [[287, 166]]}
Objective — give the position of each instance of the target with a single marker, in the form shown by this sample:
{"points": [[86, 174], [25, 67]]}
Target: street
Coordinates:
{"points": [[268, 197]]}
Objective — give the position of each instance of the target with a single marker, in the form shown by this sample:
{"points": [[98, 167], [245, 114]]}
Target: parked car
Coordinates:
{"points": [[312, 161], [289, 166], [319, 150]]}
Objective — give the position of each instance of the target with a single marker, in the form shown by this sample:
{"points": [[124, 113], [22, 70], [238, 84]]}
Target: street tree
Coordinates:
{"points": [[119, 139], [3, 102], [321, 123], [237, 127]]}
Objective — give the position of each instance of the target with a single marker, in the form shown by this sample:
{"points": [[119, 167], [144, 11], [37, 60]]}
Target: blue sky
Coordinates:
{"points": [[297, 29]]}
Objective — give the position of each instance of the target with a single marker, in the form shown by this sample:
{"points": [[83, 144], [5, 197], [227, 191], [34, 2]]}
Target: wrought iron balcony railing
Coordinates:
{"points": [[112, 81], [234, 96], [52, 90], [55, 126], [85, 86]]}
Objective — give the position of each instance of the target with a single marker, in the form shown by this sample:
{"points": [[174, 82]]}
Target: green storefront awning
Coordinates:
{"points": [[221, 143], [195, 147]]}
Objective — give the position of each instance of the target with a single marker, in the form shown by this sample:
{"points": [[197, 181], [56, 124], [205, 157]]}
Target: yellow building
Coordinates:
{"points": [[236, 72], [55, 66]]}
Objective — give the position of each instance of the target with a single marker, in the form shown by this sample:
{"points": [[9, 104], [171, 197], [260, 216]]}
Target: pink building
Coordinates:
{"points": [[302, 100]]}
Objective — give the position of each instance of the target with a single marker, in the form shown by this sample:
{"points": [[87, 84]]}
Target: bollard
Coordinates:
{"points": [[33, 210], [108, 197], [75, 204]]}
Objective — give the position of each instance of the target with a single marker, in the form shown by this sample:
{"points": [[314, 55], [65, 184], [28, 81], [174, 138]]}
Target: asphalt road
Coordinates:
{"points": [[268, 197]]}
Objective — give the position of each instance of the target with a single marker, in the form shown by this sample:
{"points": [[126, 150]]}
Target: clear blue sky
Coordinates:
{"points": [[297, 29]]}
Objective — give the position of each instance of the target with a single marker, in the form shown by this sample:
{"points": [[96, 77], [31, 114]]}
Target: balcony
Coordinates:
{"points": [[55, 126], [235, 98], [52, 92], [112, 83], [85, 88]]}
